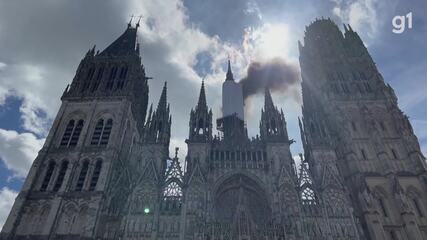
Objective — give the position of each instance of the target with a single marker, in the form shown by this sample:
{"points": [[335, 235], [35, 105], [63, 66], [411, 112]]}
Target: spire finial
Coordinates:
{"points": [[139, 20], [268, 100], [130, 21], [202, 95], [162, 101], [229, 72], [176, 152], [345, 28]]}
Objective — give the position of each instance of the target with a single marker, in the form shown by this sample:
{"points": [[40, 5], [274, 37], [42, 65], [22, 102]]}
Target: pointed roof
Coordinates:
{"points": [[229, 73], [202, 96], [268, 100], [126, 44], [163, 101], [329, 177]]}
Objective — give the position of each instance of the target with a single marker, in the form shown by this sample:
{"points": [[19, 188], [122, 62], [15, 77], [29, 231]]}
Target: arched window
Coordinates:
{"points": [[61, 176], [67, 134], [72, 133], [86, 82], [76, 133], [82, 176], [102, 132], [98, 79], [111, 78], [106, 132], [122, 77], [95, 175], [47, 176], [97, 132]]}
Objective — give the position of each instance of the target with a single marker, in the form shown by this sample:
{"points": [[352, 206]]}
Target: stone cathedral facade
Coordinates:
{"points": [[105, 171]]}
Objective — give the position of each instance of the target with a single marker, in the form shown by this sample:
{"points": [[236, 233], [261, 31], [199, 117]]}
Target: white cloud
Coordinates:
{"points": [[18, 151], [31, 83], [363, 15], [7, 197]]}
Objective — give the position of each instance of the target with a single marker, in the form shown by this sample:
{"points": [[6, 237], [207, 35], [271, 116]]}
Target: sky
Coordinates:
{"points": [[183, 42]]}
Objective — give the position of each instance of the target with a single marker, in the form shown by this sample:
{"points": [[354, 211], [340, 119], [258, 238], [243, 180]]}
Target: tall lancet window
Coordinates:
{"points": [[98, 79], [95, 175], [48, 176], [61, 175], [122, 77], [102, 132], [76, 133], [111, 77], [67, 134], [82, 176], [88, 79], [72, 133]]}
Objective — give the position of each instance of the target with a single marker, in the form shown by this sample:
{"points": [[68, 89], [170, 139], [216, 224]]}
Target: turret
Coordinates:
{"points": [[158, 126], [273, 123], [200, 120]]}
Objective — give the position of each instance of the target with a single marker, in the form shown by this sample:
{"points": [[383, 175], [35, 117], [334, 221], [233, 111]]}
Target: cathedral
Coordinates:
{"points": [[105, 170]]}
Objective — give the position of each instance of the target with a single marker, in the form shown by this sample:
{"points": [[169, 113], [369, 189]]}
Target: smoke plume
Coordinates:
{"points": [[276, 74]]}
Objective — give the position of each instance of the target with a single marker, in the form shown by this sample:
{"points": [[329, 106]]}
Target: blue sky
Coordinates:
{"points": [[184, 41]]}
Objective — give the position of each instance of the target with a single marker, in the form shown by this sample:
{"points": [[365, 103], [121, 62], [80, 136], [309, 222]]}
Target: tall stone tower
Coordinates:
{"points": [[354, 131], [77, 184]]}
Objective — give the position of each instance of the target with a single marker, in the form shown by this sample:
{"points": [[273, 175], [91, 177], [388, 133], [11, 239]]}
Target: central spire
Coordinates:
{"points": [[202, 96], [229, 73]]}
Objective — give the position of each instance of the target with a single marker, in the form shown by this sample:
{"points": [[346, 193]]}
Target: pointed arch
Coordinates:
{"points": [[67, 133], [95, 175], [82, 176], [48, 176], [76, 133], [101, 133], [307, 192], [61, 176]]}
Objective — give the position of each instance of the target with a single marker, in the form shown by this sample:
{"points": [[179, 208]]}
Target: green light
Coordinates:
{"points": [[146, 210]]}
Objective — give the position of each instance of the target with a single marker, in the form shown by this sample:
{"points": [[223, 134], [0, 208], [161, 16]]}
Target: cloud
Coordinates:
{"points": [[7, 197], [18, 151], [29, 82], [363, 15]]}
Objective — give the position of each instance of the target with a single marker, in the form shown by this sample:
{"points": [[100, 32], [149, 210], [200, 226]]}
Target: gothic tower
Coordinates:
{"points": [[354, 133], [156, 181], [77, 183]]}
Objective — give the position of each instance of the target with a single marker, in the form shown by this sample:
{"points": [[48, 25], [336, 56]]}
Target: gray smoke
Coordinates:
{"points": [[275, 74]]}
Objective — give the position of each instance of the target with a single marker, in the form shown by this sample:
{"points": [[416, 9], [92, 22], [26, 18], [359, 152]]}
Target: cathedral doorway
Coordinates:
{"points": [[241, 205]]}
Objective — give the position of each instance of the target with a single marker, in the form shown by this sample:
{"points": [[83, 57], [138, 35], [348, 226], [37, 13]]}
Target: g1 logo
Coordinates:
{"points": [[399, 23]]}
